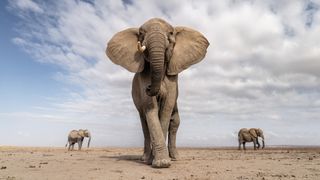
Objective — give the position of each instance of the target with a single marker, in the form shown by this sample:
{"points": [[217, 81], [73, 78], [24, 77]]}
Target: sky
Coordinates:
{"points": [[262, 69]]}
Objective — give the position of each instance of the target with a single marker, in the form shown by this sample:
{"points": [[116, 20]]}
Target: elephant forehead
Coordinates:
{"points": [[156, 24]]}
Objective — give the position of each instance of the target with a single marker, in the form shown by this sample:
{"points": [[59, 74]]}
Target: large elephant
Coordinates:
{"points": [[157, 52], [250, 135], [77, 137]]}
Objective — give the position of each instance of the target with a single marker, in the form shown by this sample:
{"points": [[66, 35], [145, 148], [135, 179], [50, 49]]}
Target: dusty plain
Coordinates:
{"points": [[195, 163]]}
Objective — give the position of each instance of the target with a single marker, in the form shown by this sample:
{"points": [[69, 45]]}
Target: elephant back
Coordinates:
{"points": [[73, 134], [243, 130]]}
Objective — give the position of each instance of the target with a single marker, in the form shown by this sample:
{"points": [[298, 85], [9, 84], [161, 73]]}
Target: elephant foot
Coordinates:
{"points": [[161, 160], [147, 158], [173, 154], [161, 163]]}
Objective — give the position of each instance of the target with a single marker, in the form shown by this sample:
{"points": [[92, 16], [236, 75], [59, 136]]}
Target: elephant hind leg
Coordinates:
{"points": [[173, 128]]}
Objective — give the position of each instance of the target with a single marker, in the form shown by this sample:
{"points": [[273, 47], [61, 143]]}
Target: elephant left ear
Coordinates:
{"points": [[190, 48], [81, 132], [253, 133]]}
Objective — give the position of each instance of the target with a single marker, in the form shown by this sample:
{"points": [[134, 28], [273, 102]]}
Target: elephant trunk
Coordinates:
{"points": [[156, 50], [89, 140]]}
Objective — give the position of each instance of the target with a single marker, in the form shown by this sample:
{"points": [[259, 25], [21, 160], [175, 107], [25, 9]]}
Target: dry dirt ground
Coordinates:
{"points": [[123, 163]]}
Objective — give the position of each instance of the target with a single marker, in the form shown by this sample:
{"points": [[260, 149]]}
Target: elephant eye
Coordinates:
{"points": [[142, 31]]}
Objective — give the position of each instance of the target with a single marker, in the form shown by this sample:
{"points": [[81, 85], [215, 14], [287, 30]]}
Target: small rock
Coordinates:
{"points": [[32, 166], [3, 167], [143, 177], [293, 176], [310, 158]]}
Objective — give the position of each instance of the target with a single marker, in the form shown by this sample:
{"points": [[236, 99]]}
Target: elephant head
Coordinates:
{"points": [[257, 132], [168, 49], [85, 133]]}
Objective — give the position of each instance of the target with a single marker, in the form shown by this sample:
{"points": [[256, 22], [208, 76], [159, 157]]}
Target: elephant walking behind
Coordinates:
{"points": [[77, 136], [250, 135], [157, 52]]}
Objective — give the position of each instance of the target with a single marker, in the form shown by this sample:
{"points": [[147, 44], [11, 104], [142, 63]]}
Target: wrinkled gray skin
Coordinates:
{"points": [[169, 50], [250, 135], [77, 137]]}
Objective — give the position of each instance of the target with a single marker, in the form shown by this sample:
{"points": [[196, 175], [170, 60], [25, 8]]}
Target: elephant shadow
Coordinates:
{"points": [[132, 158]]}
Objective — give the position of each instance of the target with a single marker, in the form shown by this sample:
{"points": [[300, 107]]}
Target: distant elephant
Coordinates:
{"points": [[77, 137], [157, 52], [250, 135]]}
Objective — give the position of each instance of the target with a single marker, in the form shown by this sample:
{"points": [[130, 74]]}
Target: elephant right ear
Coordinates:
{"points": [[253, 133], [81, 132], [122, 50]]}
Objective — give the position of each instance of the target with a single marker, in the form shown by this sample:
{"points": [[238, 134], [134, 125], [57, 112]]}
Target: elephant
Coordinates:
{"points": [[77, 136], [157, 52], [250, 135]]}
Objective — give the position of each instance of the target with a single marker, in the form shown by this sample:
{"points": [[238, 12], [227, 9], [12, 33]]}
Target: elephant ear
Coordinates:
{"points": [[259, 132], [81, 132], [190, 48], [253, 133], [122, 50]]}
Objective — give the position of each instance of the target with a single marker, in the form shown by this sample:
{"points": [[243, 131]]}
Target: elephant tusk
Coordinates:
{"points": [[141, 48]]}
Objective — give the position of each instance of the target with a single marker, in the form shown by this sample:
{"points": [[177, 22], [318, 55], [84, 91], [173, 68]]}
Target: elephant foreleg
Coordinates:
{"points": [[254, 144], [167, 105], [72, 146], [159, 149], [80, 143], [147, 154], [69, 146], [258, 144], [173, 128], [244, 145]]}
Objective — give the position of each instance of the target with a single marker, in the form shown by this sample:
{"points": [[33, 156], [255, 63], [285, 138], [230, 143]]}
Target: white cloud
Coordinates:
{"points": [[27, 5], [261, 69]]}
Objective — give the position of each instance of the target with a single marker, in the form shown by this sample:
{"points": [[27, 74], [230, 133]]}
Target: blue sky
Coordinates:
{"points": [[261, 70]]}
